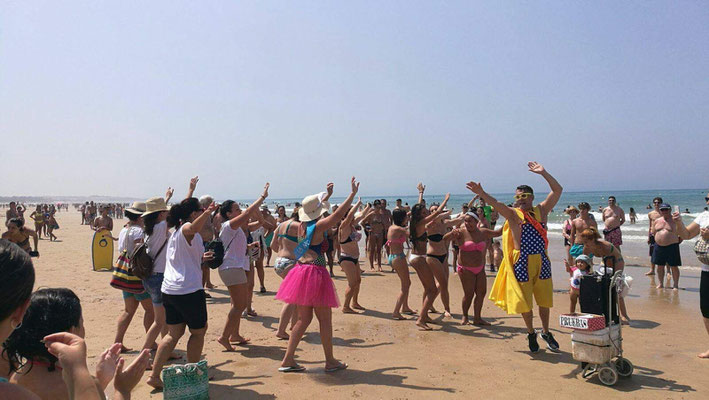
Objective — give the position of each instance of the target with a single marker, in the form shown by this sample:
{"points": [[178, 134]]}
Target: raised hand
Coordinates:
{"points": [[211, 208], [421, 187], [265, 190], [330, 187], [125, 380], [355, 185], [106, 366], [474, 187], [193, 183], [536, 167], [448, 196], [676, 216], [169, 192]]}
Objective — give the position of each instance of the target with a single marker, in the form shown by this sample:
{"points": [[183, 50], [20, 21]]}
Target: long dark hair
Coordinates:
{"points": [[416, 215], [226, 208], [17, 278], [180, 213], [399, 216], [149, 222], [50, 311]]}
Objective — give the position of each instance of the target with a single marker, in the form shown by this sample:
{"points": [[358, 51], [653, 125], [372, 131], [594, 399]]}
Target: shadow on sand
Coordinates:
{"points": [[377, 377]]}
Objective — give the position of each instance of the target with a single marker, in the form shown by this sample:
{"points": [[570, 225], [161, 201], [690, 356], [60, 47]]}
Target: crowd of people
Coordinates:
{"points": [[188, 239]]}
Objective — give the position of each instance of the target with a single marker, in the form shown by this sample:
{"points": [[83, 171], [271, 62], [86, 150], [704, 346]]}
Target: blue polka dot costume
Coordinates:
{"points": [[532, 243]]}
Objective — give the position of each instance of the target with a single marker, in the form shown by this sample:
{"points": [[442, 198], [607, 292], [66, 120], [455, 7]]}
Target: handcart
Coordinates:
{"points": [[597, 340]]}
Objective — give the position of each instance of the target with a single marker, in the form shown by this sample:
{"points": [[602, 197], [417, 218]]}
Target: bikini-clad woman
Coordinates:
{"points": [[349, 237], [284, 244], [38, 217], [437, 253], [18, 234], [472, 242], [420, 216], [396, 237], [309, 285], [376, 235]]}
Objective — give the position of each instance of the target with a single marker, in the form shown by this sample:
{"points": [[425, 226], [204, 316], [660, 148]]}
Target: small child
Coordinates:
{"points": [[583, 267]]}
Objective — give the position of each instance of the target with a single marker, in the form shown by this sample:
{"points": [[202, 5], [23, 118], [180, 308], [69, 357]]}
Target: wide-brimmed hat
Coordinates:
{"points": [[154, 204], [138, 207], [313, 207]]}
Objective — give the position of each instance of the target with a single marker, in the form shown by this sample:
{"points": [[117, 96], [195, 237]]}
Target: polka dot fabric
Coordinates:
{"points": [[531, 243]]}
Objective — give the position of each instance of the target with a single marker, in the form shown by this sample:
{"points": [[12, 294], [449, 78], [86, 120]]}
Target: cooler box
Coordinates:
{"points": [[583, 322], [596, 347]]}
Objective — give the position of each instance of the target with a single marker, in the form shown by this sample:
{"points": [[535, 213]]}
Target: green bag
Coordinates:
{"points": [[186, 382]]}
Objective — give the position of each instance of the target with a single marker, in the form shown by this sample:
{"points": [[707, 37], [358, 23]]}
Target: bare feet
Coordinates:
{"points": [[422, 326], [154, 382], [660, 286], [465, 321], [447, 314], [409, 311], [433, 311], [210, 285], [704, 355], [480, 322], [650, 273], [239, 340], [225, 342], [398, 317], [347, 310], [624, 321], [124, 349], [356, 306], [282, 336]]}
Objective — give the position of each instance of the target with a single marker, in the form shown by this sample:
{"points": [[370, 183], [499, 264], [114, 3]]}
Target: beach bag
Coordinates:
{"points": [[186, 382], [700, 248], [123, 279], [141, 264], [217, 247]]}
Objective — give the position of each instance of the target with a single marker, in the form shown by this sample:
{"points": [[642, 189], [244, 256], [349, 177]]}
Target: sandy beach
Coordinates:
{"points": [[392, 359]]}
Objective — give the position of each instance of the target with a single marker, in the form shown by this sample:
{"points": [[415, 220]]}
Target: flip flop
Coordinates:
{"points": [[294, 368], [337, 368]]}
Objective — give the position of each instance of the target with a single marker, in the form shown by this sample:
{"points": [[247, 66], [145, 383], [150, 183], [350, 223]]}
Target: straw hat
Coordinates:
{"points": [[313, 207], [138, 207], [153, 205]]}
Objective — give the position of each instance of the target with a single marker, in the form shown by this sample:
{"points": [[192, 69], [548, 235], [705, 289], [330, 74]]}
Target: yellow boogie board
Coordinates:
{"points": [[102, 251]]}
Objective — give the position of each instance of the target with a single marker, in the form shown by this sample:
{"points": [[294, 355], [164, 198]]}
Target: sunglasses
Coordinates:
{"points": [[522, 196], [656, 202], [665, 209]]}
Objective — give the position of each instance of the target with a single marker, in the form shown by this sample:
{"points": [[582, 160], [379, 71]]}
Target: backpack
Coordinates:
{"points": [[141, 264]]}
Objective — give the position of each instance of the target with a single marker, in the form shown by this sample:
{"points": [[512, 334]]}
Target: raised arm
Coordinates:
{"points": [[685, 232], [191, 229], [243, 218], [439, 210], [421, 187], [366, 213], [168, 194], [353, 210], [507, 212], [556, 189], [329, 188], [332, 219], [192, 187]]}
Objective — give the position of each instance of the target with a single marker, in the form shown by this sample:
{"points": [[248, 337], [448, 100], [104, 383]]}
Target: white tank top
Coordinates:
{"points": [[183, 264], [235, 255]]}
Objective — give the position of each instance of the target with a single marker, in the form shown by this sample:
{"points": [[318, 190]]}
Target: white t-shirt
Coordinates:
{"points": [[155, 242], [235, 255], [183, 266], [127, 238], [576, 278], [703, 221]]}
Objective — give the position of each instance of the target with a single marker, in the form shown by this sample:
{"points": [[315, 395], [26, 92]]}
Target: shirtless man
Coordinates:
{"points": [[104, 221], [399, 206], [652, 216], [584, 220], [613, 218], [92, 213], [82, 210], [666, 250]]}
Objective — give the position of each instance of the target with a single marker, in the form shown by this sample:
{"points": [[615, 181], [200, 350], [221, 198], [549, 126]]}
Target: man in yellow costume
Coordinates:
{"points": [[525, 271]]}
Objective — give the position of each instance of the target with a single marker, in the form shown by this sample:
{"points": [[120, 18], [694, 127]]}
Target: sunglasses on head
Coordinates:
{"points": [[522, 196]]}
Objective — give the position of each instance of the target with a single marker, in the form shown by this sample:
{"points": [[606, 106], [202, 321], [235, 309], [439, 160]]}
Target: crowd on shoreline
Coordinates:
{"points": [[185, 240]]}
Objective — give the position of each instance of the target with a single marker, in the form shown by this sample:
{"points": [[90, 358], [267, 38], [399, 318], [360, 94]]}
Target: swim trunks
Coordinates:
{"points": [[667, 255], [614, 236]]}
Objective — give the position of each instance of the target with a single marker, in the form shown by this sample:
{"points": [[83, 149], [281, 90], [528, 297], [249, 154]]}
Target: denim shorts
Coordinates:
{"points": [[152, 287]]}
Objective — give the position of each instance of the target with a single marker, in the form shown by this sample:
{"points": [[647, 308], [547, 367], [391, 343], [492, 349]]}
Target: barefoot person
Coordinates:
{"points": [[18, 234], [613, 218], [584, 266], [38, 217], [472, 242], [308, 284], [526, 269], [377, 221], [593, 245], [284, 244], [652, 216], [420, 217], [396, 237], [349, 238], [437, 254], [183, 294], [699, 227], [572, 212], [233, 268], [582, 222], [666, 251]]}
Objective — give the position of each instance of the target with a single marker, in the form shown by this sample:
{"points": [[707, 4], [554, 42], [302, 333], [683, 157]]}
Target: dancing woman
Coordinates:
{"points": [[472, 240], [420, 217], [396, 237], [437, 253], [284, 244], [349, 237], [308, 284]]}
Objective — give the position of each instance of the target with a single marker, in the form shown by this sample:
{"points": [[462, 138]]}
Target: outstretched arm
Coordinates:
{"points": [[168, 194], [193, 186], [366, 213], [330, 186], [421, 187], [332, 219], [350, 214], [243, 218], [556, 189], [507, 212], [191, 229], [439, 210], [685, 232]]}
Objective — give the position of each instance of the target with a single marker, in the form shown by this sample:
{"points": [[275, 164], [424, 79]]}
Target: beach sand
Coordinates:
{"points": [[392, 359]]}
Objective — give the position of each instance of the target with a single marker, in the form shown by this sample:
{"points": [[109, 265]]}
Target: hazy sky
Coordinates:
{"points": [[126, 98]]}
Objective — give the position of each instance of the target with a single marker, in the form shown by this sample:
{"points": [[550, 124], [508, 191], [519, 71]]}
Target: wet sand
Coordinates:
{"points": [[392, 359]]}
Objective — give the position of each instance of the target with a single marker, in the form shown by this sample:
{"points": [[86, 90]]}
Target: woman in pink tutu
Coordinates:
{"points": [[308, 285]]}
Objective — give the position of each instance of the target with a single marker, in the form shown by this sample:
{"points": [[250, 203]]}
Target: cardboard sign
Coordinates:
{"points": [[587, 322]]}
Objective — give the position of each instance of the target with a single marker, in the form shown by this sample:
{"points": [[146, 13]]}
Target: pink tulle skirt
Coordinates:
{"points": [[308, 285]]}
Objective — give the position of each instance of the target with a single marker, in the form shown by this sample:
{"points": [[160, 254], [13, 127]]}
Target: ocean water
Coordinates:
{"points": [[692, 199]]}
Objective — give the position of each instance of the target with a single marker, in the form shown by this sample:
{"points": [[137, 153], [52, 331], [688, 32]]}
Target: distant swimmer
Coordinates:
{"points": [[613, 218], [633, 216]]}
